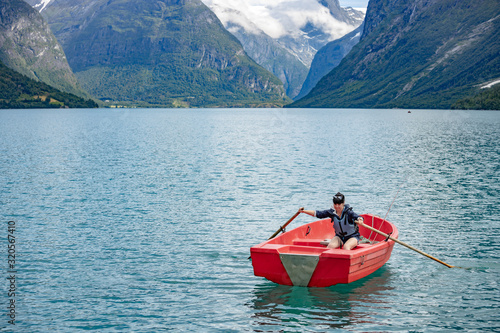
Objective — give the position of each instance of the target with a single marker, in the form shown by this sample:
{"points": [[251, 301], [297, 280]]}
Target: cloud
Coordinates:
{"points": [[253, 17], [278, 17]]}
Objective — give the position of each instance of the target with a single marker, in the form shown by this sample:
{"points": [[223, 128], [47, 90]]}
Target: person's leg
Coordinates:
{"points": [[335, 243], [351, 243]]}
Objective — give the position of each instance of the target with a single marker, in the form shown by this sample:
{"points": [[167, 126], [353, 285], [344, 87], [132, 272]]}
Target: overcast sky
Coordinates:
{"points": [[354, 3]]}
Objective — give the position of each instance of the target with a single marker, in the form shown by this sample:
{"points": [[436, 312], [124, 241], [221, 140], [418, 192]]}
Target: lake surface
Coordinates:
{"points": [[142, 219]]}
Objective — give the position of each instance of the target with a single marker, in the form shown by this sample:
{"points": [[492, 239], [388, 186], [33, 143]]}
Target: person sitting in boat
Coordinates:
{"points": [[344, 221]]}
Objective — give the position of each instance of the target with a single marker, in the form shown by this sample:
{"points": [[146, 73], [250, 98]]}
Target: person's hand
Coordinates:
{"points": [[360, 221], [301, 209]]}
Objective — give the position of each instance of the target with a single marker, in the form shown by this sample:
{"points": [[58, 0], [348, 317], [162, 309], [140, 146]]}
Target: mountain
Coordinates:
{"points": [[271, 55], [283, 36], [28, 46], [329, 57], [158, 53], [348, 15], [416, 54], [17, 91]]}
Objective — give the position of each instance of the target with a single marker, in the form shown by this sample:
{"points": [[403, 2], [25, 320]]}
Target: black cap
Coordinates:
{"points": [[338, 198]]}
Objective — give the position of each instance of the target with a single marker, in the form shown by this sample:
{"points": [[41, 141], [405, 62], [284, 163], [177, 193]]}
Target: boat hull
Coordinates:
{"points": [[298, 258]]}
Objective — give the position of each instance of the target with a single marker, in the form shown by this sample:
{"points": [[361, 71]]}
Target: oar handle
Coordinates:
{"points": [[282, 228], [404, 244]]}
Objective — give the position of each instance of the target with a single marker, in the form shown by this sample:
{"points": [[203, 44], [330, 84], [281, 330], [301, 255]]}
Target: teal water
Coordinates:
{"points": [[141, 220]]}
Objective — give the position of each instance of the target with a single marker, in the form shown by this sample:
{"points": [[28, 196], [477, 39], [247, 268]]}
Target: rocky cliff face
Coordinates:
{"points": [[28, 46], [161, 53], [419, 53]]}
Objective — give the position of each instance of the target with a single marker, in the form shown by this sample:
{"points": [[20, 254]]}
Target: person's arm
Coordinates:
{"points": [[308, 212], [356, 218]]}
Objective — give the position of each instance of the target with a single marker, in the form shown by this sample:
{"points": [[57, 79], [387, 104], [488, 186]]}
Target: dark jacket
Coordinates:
{"points": [[344, 225]]}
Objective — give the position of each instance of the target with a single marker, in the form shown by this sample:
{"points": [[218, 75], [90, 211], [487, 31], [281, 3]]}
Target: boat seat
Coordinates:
{"points": [[321, 242]]}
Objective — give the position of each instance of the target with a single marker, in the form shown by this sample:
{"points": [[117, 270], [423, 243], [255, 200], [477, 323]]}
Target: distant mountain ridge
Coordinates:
{"points": [[288, 56], [28, 46], [329, 57], [416, 54], [348, 14], [271, 55], [161, 53]]}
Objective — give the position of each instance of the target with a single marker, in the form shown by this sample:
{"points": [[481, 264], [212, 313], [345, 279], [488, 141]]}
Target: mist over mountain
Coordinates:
{"points": [[28, 46], [416, 54], [271, 55], [161, 53], [284, 35]]}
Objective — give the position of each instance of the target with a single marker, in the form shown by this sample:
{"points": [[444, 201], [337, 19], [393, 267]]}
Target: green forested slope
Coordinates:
{"points": [[160, 53], [18, 92], [416, 54], [488, 99]]}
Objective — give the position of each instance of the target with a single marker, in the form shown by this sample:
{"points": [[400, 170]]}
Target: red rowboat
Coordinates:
{"points": [[299, 257]]}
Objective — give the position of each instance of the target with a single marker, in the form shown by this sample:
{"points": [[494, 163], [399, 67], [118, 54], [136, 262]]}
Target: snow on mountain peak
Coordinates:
{"points": [[42, 4]]}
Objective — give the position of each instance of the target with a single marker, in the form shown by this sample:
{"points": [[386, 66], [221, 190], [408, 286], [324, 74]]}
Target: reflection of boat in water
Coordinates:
{"points": [[338, 307], [300, 257]]}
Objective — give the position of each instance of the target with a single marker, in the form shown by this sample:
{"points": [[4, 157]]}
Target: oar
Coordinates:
{"points": [[404, 244], [282, 228]]}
